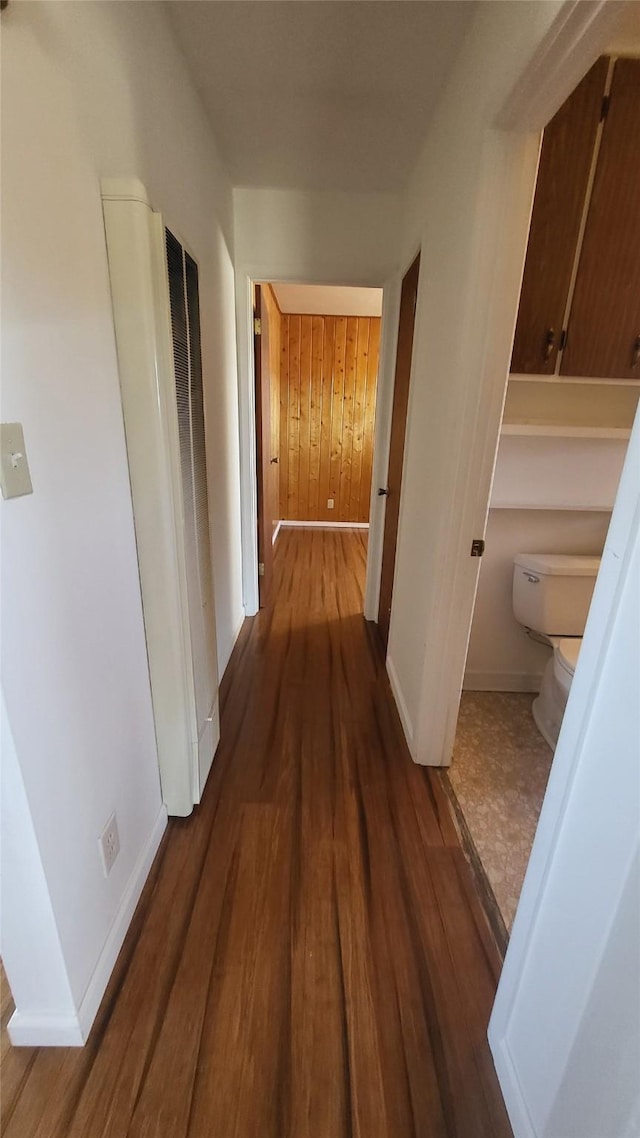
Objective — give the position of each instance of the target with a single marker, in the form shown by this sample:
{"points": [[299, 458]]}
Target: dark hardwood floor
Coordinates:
{"points": [[309, 958]]}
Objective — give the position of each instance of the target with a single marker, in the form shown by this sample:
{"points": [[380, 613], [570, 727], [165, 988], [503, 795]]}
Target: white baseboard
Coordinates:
{"points": [[232, 643], [276, 532], [514, 1100], [405, 718], [31, 1029], [323, 525], [502, 681], [102, 973]]}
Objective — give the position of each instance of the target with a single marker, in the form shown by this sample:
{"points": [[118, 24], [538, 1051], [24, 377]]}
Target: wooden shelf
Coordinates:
{"points": [[543, 466], [518, 377], [564, 431]]}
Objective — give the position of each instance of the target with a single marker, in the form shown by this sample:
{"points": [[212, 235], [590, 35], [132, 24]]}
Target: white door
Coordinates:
{"points": [[565, 1028]]}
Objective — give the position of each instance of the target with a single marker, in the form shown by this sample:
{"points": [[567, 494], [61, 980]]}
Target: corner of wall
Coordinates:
{"points": [[96, 989], [405, 718]]}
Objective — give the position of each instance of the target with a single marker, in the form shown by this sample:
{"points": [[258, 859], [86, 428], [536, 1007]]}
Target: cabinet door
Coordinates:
{"points": [[604, 325], [563, 175]]}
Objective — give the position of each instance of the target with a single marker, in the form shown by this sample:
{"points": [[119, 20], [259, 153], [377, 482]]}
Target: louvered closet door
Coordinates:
{"points": [[185, 327], [206, 679]]}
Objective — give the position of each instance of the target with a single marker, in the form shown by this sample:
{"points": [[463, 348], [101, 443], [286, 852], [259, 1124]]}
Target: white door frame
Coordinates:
{"points": [[511, 149], [580, 34], [585, 842], [255, 273]]}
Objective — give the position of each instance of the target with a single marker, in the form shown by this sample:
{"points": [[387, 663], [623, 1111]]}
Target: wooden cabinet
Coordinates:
{"points": [[563, 176], [580, 302], [604, 326]]}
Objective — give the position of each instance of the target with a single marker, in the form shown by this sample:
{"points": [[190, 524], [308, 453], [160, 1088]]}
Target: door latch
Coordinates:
{"points": [[477, 547]]}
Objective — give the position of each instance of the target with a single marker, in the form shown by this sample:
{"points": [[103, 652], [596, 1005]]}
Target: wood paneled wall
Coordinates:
{"points": [[328, 374], [274, 319]]}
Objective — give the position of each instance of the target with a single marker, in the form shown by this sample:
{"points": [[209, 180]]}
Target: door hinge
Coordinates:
{"points": [[477, 547], [563, 340], [261, 568], [604, 109], [257, 326]]}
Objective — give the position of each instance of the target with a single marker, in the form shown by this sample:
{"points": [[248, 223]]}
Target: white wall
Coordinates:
{"points": [[90, 90], [304, 237], [590, 404], [328, 300], [501, 656], [317, 238], [31, 949], [565, 1029], [468, 208], [556, 473]]}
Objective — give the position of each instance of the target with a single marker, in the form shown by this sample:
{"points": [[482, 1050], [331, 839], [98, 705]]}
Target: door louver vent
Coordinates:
{"points": [[185, 330]]}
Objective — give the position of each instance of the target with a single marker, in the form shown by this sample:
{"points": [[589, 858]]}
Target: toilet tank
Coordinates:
{"points": [[552, 591]]}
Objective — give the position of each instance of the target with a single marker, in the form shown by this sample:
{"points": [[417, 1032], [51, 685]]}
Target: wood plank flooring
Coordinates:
{"points": [[309, 958]]}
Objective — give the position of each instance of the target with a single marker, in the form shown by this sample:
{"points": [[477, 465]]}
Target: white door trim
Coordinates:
{"points": [[561, 829], [381, 441], [247, 417], [246, 275], [580, 33], [511, 148]]}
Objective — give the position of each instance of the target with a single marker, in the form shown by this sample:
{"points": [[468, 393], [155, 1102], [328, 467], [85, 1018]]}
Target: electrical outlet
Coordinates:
{"points": [[109, 844], [329, 503]]}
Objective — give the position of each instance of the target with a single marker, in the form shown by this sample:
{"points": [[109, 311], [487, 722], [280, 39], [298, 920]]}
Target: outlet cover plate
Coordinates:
{"points": [[109, 842], [15, 478]]}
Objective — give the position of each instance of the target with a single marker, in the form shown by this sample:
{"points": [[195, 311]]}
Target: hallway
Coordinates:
{"points": [[309, 958]]}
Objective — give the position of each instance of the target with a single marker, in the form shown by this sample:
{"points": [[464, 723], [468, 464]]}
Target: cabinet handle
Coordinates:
{"points": [[635, 352], [549, 344]]}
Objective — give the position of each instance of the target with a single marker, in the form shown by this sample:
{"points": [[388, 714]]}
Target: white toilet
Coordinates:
{"points": [[551, 597]]}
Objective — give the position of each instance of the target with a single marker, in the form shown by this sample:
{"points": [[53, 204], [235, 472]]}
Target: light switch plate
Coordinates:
{"points": [[15, 479]]}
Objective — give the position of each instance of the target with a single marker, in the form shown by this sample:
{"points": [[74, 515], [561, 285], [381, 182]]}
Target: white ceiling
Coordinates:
{"points": [[320, 94], [328, 300]]}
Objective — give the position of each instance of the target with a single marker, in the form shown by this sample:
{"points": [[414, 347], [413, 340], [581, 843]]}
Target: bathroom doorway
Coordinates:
{"points": [[571, 399]]}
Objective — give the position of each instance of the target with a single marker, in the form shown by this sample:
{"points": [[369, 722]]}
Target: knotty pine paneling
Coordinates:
{"points": [[328, 375]]}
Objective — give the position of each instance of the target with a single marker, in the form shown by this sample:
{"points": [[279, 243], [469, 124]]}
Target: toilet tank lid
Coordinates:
{"points": [[558, 564]]}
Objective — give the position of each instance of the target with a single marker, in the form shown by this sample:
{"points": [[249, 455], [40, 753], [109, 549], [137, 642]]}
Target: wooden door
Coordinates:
{"points": [[603, 336], [263, 446], [396, 446], [561, 189]]}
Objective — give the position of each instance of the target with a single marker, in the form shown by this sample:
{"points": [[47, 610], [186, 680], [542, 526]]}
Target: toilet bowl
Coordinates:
{"points": [[551, 597], [549, 706]]}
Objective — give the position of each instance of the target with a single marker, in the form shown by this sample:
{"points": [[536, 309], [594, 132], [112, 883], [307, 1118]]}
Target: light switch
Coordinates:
{"points": [[15, 479]]}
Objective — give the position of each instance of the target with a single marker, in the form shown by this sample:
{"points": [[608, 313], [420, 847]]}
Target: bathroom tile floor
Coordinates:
{"points": [[499, 774]]}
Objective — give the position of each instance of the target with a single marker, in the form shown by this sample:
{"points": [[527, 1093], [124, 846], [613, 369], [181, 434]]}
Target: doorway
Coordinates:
{"points": [[562, 446], [406, 327], [316, 354]]}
